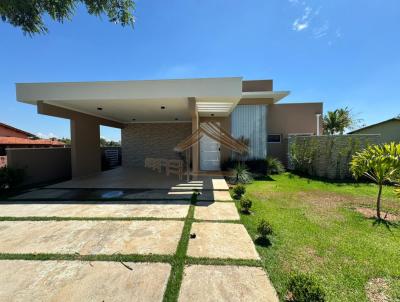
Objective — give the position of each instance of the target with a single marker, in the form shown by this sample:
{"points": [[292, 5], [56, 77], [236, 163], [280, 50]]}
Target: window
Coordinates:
{"points": [[274, 138]]}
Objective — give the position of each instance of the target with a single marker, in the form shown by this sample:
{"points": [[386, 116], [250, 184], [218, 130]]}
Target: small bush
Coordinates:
{"points": [[193, 198], [274, 166], [241, 175], [239, 191], [9, 178], [257, 166], [264, 228], [245, 204], [304, 288]]}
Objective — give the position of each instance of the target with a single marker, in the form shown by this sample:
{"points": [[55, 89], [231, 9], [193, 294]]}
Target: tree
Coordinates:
{"points": [[28, 14], [108, 143], [337, 121], [379, 163]]}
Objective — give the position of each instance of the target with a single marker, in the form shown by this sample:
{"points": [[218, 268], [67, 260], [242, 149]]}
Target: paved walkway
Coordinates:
{"points": [[153, 228]]}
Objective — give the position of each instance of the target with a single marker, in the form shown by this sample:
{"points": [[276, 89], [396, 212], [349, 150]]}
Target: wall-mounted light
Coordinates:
{"points": [[162, 107], [99, 108]]}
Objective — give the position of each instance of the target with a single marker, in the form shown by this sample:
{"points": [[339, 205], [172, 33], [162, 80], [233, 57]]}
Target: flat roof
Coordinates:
{"points": [[144, 100]]}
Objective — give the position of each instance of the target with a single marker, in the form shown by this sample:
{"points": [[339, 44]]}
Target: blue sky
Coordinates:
{"points": [[344, 53]]}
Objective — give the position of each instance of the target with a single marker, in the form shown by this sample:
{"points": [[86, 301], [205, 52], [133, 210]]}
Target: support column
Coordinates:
{"points": [[85, 147], [195, 126]]}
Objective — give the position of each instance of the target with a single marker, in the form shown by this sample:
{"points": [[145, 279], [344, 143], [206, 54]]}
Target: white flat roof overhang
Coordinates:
{"points": [[138, 101]]}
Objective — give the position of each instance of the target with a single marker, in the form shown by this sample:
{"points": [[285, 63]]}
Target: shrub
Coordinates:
{"points": [[304, 288], [239, 191], [264, 228], [274, 166], [193, 198], [257, 166], [241, 174], [260, 167], [245, 204], [9, 178], [379, 163]]}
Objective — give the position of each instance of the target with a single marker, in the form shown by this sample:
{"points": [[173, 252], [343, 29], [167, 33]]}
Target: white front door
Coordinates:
{"points": [[209, 154]]}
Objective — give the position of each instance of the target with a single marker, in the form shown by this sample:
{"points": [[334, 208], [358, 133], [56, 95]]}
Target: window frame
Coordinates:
{"points": [[280, 138]]}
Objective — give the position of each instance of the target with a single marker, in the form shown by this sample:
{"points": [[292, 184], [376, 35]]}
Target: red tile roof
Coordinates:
{"points": [[5, 140]]}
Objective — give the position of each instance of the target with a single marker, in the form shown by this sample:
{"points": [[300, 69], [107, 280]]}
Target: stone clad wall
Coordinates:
{"points": [[326, 156], [151, 140]]}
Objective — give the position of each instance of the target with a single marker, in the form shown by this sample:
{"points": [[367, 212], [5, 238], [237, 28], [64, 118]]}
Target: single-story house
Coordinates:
{"points": [[11, 137], [156, 115], [389, 130]]}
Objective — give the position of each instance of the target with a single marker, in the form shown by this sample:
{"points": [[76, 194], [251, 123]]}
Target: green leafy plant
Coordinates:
{"points": [[274, 166], [379, 163], [28, 15], [239, 191], [194, 197], [9, 178], [264, 228], [337, 121], [241, 175], [304, 288], [245, 205]]}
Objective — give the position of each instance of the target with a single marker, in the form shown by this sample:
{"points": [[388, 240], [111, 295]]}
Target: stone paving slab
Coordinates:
{"points": [[146, 209], [221, 240], [216, 211], [226, 283], [90, 237], [22, 280], [222, 196]]}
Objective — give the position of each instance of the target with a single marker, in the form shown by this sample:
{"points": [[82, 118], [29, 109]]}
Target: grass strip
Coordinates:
{"points": [[216, 261], [57, 218], [178, 261]]}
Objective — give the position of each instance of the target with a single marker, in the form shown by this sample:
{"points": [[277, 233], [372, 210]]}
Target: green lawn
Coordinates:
{"points": [[317, 230]]}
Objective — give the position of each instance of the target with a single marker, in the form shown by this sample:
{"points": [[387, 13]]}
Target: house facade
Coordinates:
{"points": [[155, 116], [11, 137], [389, 130]]}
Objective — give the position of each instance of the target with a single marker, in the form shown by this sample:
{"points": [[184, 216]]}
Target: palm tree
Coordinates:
{"points": [[381, 164], [337, 121]]}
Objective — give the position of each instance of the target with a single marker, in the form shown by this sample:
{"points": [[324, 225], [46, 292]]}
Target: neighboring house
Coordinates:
{"points": [[157, 115], [11, 137], [389, 130]]}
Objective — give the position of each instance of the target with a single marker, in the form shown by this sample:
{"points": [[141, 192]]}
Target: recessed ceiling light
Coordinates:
{"points": [[176, 119], [212, 114], [99, 108], [163, 107], [133, 119]]}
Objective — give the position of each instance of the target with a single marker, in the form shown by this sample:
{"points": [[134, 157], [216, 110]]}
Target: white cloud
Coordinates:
{"points": [[46, 136], [321, 31], [304, 21]]}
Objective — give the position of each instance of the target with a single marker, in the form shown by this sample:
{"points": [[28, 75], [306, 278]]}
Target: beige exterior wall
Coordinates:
{"points": [[389, 131], [85, 137], [141, 140], [85, 147], [257, 85], [41, 165], [285, 119]]}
